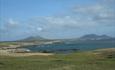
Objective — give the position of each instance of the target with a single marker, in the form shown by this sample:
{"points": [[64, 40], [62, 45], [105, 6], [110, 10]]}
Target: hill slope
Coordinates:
{"points": [[33, 38], [95, 37]]}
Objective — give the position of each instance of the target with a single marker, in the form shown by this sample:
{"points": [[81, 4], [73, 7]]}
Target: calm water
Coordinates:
{"points": [[67, 48]]}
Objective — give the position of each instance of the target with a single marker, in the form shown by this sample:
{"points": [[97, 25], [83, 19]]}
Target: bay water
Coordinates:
{"points": [[68, 48]]}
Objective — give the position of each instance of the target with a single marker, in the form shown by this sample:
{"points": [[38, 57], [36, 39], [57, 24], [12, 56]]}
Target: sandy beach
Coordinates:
{"points": [[7, 53]]}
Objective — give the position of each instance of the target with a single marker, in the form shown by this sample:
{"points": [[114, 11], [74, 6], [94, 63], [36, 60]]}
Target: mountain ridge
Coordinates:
{"points": [[95, 37], [33, 38], [82, 38]]}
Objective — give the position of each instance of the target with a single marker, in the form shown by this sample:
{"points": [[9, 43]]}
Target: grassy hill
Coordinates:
{"points": [[92, 60]]}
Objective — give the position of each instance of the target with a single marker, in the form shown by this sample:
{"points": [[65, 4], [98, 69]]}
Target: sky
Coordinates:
{"points": [[56, 19]]}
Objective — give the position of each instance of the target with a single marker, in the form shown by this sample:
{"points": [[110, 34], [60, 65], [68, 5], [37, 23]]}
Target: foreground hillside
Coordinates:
{"points": [[93, 60]]}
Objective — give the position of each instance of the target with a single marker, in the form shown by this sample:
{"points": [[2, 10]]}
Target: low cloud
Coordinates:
{"points": [[97, 12], [94, 15], [39, 29], [11, 23]]}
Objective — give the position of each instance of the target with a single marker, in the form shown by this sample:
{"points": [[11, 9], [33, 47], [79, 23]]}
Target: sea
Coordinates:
{"points": [[70, 47]]}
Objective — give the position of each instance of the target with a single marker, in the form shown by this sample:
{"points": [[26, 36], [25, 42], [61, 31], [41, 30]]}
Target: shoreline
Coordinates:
{"points": [[25, 54], [7, 52]]}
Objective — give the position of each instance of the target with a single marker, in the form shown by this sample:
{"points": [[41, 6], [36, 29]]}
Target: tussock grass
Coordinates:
{"points": [[74, 61]]}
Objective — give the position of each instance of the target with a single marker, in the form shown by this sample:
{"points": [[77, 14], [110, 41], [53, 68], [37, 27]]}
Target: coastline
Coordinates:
{"points": [[14, 54], [7, 52]]}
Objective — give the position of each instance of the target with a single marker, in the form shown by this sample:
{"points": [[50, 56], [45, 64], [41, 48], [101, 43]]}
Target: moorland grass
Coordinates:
{"points": [[74, 61]]}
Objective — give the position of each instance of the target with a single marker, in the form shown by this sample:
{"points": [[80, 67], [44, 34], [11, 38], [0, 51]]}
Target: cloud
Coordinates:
{"points": [[100, 13], [83, 16], [92, 18], [10, 23], [39, 29], [64, 22]]}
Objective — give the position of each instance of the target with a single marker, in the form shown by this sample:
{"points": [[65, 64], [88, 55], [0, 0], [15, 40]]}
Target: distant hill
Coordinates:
{"points": [[88, 37], [91, 38], [33, 38], [95, 37]]}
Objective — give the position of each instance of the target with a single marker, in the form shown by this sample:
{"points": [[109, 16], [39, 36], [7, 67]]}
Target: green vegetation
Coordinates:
{"points": [[75, 61], [6, 44]]}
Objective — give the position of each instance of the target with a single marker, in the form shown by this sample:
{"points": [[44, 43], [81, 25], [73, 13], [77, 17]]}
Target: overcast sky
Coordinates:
{"points": [[56, 18]]}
